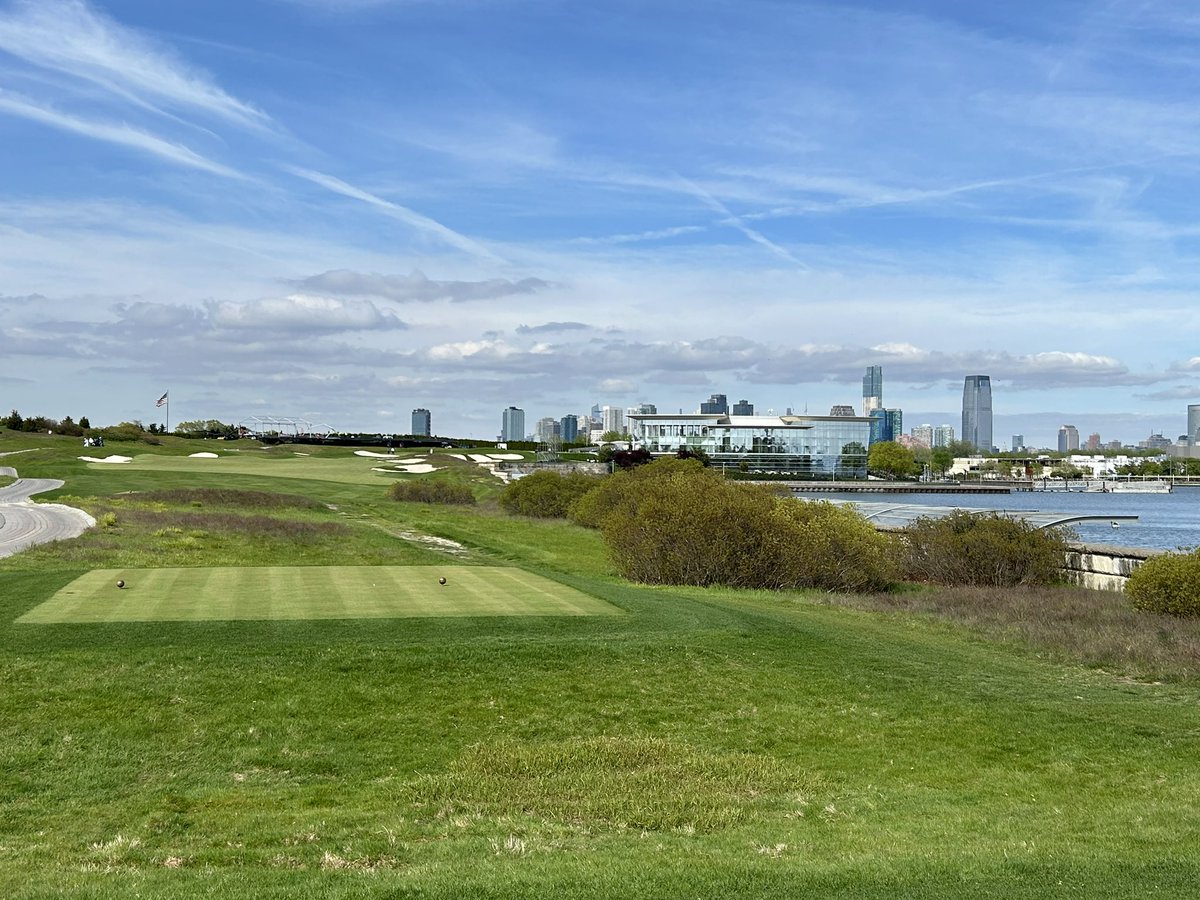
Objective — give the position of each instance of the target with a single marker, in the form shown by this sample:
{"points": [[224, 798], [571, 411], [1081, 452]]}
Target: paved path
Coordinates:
{"points": [[24, 523]]}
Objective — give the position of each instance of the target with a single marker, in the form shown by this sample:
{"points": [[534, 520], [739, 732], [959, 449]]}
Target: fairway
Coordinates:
{"points": [[309, 592]]}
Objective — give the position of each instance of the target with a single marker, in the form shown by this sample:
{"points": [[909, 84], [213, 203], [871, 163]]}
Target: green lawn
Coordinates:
{"points": [[701, 743], [309, 592]]}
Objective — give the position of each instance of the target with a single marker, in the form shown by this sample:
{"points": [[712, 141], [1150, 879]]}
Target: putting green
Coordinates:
{"points": [[309, 592]]}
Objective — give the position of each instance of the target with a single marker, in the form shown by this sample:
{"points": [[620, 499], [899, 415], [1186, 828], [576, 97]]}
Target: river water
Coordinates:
{"points": [[1165, 521]]}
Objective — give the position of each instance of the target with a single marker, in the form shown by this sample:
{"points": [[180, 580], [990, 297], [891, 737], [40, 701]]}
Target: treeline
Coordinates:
{"points": [[66, 425]]}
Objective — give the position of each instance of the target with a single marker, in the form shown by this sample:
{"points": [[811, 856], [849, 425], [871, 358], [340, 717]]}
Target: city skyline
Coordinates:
{"points": [[341, 210]]}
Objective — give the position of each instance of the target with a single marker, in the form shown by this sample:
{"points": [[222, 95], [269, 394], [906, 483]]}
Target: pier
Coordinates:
{"points": [[893, 487]]}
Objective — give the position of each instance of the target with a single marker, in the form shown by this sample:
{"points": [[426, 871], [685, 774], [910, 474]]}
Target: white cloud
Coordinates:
{"points": [[122, 135], [414, 219], [72, 37], [416, 287], [300, 312]]}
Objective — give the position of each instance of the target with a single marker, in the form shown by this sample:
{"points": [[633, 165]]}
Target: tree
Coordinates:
{"points": [[962, 448], [84, 423], [68, 426], [941, 459], [625, 459], [891, 460], [13, 421], [693, 453], [609, 436]]}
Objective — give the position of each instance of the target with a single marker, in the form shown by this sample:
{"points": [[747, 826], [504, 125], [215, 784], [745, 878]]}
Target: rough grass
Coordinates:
{"points": [[652, 784], [239, 499], [1094, 628]]}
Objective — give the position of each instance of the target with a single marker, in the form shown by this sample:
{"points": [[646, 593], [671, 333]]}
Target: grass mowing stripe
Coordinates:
{"points": [[309, 592]]}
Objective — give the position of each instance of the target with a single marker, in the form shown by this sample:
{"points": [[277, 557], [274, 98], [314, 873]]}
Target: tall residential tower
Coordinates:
{"points": [[872, 389], [512, 424], [977, 412], [422, 423]]}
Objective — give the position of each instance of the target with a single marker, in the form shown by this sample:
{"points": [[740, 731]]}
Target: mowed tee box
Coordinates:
{"points": [[310, 592]]}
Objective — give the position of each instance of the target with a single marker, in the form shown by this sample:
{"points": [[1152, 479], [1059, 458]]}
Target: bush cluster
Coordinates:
{"points": [[428, 491], [982, 549], [1167, 584], [546, 494], [675, 522]]}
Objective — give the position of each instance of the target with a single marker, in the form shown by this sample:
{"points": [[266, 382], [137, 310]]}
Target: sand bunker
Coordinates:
{"points": [[375, 455], [418, 469], [456, 456], [506, 456], [480, 458], [108, 459], [203, 456]]}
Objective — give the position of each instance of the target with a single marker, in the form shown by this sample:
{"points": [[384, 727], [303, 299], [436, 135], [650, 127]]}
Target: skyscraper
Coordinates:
{"points": [[614, 419], [880, 426], [895, 424], [512, 424], [568, 427], [717, 403], [923, 435], [977, 411], [943, 436], [547, 430], [1193, 432], [872, 389], [422, 423], [1068, 438], [743, 408]]}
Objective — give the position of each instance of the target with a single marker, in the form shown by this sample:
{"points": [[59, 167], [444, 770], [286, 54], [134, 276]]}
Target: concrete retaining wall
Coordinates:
{"points": [[1102, 566]]}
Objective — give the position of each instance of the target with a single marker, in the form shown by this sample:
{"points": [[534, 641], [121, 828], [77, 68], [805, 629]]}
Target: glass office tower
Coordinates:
{"points": [[977, 411]]}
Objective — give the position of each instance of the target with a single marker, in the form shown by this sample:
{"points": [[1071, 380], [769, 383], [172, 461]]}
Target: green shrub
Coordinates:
{"points": [[429, 491], [591, 508], [821, 545], [688, 525], [982, 549], [691, 527], [1168, 584], [546, 494]]}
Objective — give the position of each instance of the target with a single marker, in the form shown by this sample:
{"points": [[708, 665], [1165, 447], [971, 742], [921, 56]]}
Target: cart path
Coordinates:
{"points": [[24, 524]]}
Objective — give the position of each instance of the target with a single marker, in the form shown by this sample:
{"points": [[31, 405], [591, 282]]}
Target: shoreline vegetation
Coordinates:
{"points": [[970, 741]]}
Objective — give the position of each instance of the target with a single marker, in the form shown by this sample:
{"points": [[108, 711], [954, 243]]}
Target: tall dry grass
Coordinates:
{"points": [[1094, 628]]}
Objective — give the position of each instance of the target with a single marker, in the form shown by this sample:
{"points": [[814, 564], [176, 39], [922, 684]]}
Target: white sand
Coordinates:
{"points": [[457, 456], [374, 454], [417, 469], [480, 458], [108, 459], [506, 456], [203, 456]]}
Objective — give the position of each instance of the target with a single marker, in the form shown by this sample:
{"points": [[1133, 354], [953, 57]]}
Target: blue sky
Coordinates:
{"points": [[340, 210]]}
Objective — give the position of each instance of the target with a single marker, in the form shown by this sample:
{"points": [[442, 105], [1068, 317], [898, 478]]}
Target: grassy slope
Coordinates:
{"points": [[708, 743]]}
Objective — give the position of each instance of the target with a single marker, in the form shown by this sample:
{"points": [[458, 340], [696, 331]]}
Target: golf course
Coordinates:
{"points": [[306, 689]]}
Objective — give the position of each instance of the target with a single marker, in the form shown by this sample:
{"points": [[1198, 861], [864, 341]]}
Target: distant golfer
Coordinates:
{"points": [[120, 583], [442, 580]]}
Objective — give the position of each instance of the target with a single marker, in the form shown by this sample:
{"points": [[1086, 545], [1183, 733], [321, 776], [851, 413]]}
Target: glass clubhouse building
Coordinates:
{"points": [[803, 446]]}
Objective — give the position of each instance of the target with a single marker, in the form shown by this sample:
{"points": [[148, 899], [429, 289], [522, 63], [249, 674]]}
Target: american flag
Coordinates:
{"points": [[162, 401]]}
